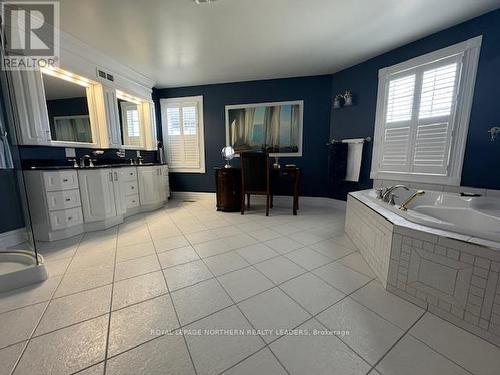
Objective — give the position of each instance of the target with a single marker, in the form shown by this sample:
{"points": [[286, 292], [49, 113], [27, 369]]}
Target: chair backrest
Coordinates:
{"points": [[255, 171]]}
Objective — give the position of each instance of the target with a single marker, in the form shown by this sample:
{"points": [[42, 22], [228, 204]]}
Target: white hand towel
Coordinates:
{"points": [[354, 155]]}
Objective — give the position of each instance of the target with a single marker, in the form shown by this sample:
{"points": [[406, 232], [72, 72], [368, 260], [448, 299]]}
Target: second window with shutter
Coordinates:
{"points": [[182, 126]]}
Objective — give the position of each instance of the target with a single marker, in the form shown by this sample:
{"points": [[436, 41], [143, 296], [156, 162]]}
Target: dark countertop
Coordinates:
{"points": [[61, 167]]}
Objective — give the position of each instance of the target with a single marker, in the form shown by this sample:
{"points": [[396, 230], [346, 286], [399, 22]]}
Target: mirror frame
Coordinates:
{"points": [[94, 97], [141, 105]]}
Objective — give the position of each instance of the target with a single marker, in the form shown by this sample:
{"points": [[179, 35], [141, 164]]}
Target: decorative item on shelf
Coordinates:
{"points": [[494, 133], [228, 155], [347, 98], [276, 164], [337, 102], [343, 100]]}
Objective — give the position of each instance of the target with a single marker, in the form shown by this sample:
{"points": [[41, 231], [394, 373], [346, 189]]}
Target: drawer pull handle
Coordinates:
{"points": [[69, 218], [131, 173], [68, 199], [132, 187], [65, 180]]}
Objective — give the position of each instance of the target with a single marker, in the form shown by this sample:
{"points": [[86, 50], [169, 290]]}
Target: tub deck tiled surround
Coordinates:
{"points": [[113, 296], [445, 273]]}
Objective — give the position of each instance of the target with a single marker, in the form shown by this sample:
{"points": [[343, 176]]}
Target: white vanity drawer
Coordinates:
{"points": [[130, 174], [131, 188], [132, 201], [65, 218], [60, 200], [60, 180]]}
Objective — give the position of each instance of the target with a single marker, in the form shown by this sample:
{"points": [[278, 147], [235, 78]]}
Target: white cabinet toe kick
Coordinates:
{"points": [[65, 203]]}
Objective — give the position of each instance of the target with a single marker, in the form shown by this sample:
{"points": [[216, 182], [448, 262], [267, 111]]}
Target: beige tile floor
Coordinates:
{"points": [[251, 294]]}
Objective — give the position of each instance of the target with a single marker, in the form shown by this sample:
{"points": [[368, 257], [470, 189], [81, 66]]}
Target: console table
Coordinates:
{"points": [[228, 186]]}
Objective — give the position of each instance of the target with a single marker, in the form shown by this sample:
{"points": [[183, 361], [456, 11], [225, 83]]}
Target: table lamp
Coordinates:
{"points": [[228, 154]]}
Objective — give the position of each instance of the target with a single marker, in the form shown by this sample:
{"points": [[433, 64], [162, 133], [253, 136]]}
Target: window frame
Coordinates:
{"points": [[164, 103], [470, 50]]}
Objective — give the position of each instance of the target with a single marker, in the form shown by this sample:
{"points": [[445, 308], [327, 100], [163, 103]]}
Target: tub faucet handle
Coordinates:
{"points": [[380, 193]]}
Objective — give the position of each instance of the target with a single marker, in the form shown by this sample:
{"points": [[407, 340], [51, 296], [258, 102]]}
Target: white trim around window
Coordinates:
{"points": [[183, 136], [408, 122]]}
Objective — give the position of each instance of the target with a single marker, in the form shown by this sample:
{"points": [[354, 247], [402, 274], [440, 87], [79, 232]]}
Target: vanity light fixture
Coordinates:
{"points": [[127, 97], [67, 76], [199, 2]]}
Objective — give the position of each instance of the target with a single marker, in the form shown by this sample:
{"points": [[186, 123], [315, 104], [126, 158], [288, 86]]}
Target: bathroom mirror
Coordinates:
{"points": [[67, 109], [130, 122]]}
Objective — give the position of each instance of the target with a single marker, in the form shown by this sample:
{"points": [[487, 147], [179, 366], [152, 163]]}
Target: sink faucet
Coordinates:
{"points": [[82, 161], [410, 198], [75, 163], [386, 195]]}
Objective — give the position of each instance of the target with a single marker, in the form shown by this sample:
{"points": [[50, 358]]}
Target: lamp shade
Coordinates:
{"points": [[228, 153]]}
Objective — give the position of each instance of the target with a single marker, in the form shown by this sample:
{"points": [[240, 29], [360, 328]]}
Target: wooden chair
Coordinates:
{"points": [[255, 178]]}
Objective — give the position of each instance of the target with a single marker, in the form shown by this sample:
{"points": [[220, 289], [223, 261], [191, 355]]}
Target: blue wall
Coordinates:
{"points": [[482, 158], [316, 93]]}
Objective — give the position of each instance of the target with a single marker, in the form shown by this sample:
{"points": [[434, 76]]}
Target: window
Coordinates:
{"points": [[423, 113], [182, 124]]}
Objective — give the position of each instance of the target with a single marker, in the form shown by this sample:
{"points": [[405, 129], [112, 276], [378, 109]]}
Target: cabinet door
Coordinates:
{"points": [[149, 186], [120, 191], [30, 107], [112, 117], [97, 194]]}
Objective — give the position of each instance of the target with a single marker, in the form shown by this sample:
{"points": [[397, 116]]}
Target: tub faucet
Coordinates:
{"points": [[410, 198], [386, 196]]}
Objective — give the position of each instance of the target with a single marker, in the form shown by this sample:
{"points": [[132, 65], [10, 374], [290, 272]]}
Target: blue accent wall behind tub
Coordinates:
{"points": [[315, 91], [482, 157]]}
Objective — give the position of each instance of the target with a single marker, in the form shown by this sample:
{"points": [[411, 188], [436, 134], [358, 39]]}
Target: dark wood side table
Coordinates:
{"points": [[292, 173], [228, 189]]}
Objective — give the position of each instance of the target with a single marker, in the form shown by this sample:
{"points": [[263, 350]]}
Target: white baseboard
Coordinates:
{"points": [[279, 200], [12, 238]]}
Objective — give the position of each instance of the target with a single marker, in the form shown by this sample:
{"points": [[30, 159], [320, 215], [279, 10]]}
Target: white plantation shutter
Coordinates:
{"points": [[423, 111], [396, 135], [183, 134], [419, 109]]}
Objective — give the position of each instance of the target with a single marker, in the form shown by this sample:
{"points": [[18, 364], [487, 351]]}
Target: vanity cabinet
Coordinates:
{"points": [[55, 204], [103, 199], [67, 202]]}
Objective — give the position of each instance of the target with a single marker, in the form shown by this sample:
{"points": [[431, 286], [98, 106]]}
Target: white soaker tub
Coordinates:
{"points": [[472, 216]]}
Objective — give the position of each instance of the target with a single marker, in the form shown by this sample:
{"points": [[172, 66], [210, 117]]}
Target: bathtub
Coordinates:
{"points": [[443, 254], [470, 216]]}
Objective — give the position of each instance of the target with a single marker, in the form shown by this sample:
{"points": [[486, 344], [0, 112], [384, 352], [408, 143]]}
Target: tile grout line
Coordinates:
{"points": [[16, 364], [111, 304], [191, 285], [396, 342], [188, 286], [241, 312], [251, 265], [172, 302]]}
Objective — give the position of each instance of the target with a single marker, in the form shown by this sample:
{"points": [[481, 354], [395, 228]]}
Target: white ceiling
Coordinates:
{"points": [[180, 43]]}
